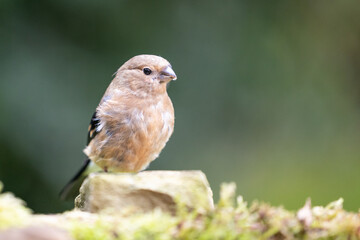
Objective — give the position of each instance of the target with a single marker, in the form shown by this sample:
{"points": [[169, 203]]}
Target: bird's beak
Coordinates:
{"points": [[167, 74]]}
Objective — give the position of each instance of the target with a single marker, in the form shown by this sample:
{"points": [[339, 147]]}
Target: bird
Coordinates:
{"points": [[132, 123]]}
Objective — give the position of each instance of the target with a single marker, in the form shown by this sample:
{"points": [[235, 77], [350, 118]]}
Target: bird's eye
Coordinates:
{"points": [[147, 71]]}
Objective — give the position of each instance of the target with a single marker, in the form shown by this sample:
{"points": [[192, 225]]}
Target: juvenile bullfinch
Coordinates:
{"points": [[132, 123]]}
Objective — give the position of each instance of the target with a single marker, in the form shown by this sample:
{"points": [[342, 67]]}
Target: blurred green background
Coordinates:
{"points": [[268, 92]]}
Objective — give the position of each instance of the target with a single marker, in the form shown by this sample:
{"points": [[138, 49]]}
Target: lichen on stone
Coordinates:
{"points": [[12, 210], [230, 218]]}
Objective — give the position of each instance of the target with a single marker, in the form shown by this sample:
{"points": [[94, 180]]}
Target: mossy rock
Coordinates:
{"points": [[230, 218]]}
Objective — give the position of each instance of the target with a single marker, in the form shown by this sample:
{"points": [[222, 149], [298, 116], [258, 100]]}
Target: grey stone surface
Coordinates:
{"points": [[144, 191]]}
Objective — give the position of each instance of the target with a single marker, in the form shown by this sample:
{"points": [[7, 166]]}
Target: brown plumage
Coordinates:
{"points": [[133, 121]]}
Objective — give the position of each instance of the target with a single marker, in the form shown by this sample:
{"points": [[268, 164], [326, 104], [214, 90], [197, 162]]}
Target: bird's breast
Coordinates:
{"points": [[133, 134], [151, 127], [153, 123]]}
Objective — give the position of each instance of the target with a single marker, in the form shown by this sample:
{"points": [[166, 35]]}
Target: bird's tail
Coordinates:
{"points": [[71, 189]]}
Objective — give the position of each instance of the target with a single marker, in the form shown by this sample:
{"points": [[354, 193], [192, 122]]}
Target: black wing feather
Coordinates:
{"points": [[94, 123], [72, 188]]}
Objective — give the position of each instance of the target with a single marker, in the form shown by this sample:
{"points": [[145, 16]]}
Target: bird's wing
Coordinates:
{"points": [[72, 188], [93, 128]]}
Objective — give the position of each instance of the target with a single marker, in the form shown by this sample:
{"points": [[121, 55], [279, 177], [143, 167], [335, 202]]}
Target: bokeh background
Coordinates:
{"points": [[268, 92]]}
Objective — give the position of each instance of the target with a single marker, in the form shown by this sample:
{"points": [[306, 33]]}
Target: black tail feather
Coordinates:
{"points": [[71, 190]]}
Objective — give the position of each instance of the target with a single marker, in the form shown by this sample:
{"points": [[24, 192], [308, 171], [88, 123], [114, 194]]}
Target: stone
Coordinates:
{"points": [[35, 233], [145, 191]]}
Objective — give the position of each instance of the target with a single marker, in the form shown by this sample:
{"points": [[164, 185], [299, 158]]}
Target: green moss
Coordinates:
{"points": [[99, 230], [231, 218], [12, 210]]}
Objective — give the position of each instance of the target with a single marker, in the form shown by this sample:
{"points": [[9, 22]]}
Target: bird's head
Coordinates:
{"points": [[146, 74]]}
